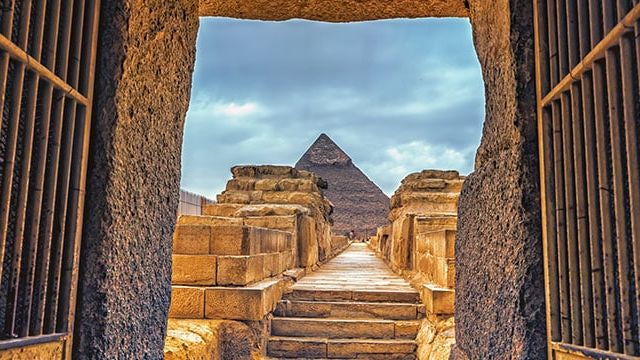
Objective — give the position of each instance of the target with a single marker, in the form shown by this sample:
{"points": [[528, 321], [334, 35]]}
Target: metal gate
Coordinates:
{"points": [[47, 59], [587, 71]]}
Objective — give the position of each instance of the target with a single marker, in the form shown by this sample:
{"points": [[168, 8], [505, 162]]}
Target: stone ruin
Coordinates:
{"points": [[233, 262], [419, 243]]}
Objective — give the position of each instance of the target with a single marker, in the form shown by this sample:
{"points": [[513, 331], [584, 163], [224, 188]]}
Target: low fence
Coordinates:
{"points": [[191, 204]]}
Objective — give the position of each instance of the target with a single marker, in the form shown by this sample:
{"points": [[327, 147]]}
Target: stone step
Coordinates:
{"points": [[345, 328], [250, 302], [383, 294], [322, 348], [348, 309]]}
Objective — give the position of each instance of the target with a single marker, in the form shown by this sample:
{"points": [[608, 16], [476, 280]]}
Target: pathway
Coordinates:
{"points": [[354, 306]]}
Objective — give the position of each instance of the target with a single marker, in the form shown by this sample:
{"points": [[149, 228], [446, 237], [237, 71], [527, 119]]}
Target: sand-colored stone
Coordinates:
{"points": [[207, 220], [233, 240], [240, 270], [225, 210], [187, 302], [199, 339], [350, 348], [334, 11], [251, 302], [191, 239], [436, 338], [438, 300], [406, 329], [333, 328], [49, 351], [193, 269]]}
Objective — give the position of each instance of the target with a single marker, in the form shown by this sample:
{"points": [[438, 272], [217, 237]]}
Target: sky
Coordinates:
{"points": [[398, 96]]}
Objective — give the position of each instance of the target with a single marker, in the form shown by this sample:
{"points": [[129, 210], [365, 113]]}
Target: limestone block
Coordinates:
{"points": [[407, 329], [438, 300], [242, 184], [251, 302], [207, 220], [271, 210], [276, 197], [207, 339], [191, 239], [187, 302], [233, 240], [227, 210], [240, 270], [271, 264], [426, 224], [267, 185], [352, 348], [443, 271], [307, 242], [255, 197], [304, 198], [234, 197], [193, 270]]}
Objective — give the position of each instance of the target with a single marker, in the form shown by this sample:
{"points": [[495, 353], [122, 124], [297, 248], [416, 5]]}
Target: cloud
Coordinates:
{"points": [[397, 95]]}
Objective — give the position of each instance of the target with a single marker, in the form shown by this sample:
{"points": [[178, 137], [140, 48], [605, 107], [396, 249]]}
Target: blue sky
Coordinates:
{"points": [[397, 95]]}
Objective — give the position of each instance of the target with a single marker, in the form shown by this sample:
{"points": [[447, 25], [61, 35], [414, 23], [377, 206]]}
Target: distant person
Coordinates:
{"points": [[351, 235]]}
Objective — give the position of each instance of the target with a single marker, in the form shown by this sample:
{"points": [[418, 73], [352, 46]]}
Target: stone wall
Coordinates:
{"points": [[430, 193], [419, 243], [143, 79], [500, 298], [283, 185], [143, 82]]}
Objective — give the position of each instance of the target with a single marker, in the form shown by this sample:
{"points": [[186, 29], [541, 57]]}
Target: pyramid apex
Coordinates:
{"points": [[324, 151]]}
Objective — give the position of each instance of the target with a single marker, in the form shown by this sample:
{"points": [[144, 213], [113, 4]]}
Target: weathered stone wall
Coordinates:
{"points": [[419, 243], [143, 82], [500, 298], [427, 193], [285, 185]]}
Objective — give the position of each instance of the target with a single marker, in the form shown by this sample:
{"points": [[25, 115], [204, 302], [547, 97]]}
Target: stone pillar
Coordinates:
{"points": [[143, 80], [499, 308]]}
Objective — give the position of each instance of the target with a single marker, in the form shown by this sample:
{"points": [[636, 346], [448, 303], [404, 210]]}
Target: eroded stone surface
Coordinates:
{"points": [[500, 298], [333, 11], [140, 101], [207, 340]]}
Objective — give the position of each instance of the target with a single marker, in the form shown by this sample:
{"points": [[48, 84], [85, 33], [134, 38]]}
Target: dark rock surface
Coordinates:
{"points": [[499, 306], [143, 82], [359, 204]]}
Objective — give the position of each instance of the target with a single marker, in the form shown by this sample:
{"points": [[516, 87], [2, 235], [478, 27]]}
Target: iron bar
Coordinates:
{"points": [[596, 53]]}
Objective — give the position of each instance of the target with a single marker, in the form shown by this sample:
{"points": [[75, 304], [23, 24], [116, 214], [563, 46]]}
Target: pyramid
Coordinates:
{"points": [[359, 204]]}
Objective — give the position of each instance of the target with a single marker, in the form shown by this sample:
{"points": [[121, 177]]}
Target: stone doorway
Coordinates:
{"points": [[137, 137], [143, 80]]}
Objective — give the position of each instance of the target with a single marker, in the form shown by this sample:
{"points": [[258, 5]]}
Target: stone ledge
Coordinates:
{"points": [[251, 302], [438, 300], [333, 11]]}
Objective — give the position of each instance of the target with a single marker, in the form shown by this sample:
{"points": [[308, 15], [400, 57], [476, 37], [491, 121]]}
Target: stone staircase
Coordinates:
{"points": [[353, 307]]}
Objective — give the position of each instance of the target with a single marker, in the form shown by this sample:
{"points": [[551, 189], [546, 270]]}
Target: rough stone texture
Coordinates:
{"points": [[49, 351], [286, 191], [143, 81], [207, 340], [500, 298], [425, 201], [436, 338], [333, 11], [358, 203]]}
